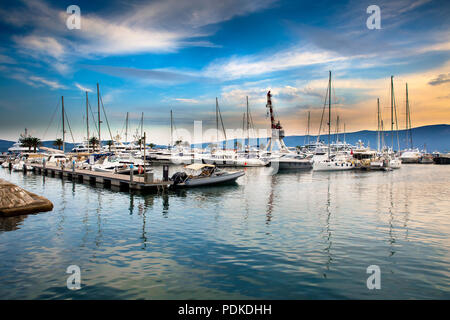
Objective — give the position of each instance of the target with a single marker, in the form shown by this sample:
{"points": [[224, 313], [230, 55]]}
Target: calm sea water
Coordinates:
{"points": [[288, 236]]}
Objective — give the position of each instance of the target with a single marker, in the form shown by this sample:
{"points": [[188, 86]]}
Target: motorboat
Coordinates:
{"points": [[115, 164], [56, 159], [426, 159], [223, 158], [333, 164], [288, 161], [82, 148], [411, 156], [200, 174], [250, 160], [21, 166], [395, 163]]}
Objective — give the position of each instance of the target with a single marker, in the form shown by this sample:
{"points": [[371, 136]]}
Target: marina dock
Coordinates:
{"points": [[103, 178]]}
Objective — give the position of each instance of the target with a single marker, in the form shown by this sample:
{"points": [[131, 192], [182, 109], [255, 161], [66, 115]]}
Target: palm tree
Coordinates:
{"points": [[93, 142], [26, 142], [58, 143], [35, 143], [151, 145], [109, 143]]}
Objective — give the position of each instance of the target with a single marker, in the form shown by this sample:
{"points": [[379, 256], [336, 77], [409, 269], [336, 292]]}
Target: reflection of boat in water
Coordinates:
{"points": [[203, 175]]}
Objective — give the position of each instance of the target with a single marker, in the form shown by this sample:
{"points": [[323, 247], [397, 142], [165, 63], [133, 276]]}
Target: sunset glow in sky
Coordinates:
{"points": [[154, 56]]}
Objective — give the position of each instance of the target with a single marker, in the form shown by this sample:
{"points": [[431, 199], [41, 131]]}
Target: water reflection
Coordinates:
{"points": [[212, 243], [11, 223], [327, 231], [391, 221]]}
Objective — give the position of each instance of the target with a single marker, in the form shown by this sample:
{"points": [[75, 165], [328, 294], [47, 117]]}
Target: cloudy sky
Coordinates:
{"points": [[154, 56]]}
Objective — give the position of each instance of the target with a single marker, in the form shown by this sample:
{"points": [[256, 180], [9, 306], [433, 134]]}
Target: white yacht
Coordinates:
{"points": [[411, 156], [291, 160], [82, 148]]}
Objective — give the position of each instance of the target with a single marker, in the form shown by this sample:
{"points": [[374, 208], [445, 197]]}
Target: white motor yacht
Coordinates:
{"points": [[411, 156]]}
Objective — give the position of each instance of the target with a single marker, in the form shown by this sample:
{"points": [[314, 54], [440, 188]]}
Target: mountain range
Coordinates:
{"points": [[431, 137]]}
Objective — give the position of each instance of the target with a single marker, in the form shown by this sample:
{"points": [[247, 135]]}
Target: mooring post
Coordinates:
{"points": [[165, 172], [131, 173]]}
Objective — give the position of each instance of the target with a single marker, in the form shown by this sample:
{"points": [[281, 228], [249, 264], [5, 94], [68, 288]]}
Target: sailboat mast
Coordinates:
{"points": [[392, 112], [63, 125], [309, 119], [171, 129], [87, 120], [248, 124], [126, 128], [329, 114], [217, 120], [99, 120], [378, 124], [142, 131], [408, 119], [337, 129]]}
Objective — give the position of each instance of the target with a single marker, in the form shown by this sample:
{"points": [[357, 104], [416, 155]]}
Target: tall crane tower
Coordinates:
{"points": [[276, 140]]}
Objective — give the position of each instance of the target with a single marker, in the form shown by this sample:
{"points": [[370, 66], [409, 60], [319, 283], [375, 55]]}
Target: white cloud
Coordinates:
{"points": [[185, 100], [82, 88], [49, 83], [158, 26], [247, 66]]}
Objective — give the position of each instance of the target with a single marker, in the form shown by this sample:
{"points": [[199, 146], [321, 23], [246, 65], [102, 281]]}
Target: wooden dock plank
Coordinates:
{"points": [[139, 181]]}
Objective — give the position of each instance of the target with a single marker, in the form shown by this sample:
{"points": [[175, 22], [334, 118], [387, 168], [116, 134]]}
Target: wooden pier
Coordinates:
{"points": [[103, 178]]}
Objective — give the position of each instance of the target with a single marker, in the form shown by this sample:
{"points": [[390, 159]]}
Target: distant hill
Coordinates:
{"points": [[436, 138], [5, 144]]}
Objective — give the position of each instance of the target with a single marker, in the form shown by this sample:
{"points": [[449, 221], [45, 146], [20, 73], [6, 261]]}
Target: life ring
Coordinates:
{"points": [[140, 169]]}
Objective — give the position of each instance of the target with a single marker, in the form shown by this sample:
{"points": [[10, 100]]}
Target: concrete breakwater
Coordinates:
{"points": [[16, 201]]}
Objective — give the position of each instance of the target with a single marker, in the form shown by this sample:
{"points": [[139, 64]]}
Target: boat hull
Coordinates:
{"points": [[225, 178], [292, 165], [332, 166]]}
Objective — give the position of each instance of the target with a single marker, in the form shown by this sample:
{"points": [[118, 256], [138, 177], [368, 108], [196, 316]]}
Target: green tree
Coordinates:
{"points": [[151, 145], [26, 142], [93, 142], [35, 143], [58, 143]]}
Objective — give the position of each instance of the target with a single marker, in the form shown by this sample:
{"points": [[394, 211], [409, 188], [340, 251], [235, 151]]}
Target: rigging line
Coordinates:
{"points": [[68, 123], [221, 121], [396, 124], [51, 120], [93, 118], [106, 118], [323, 112], [123, 127]]}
